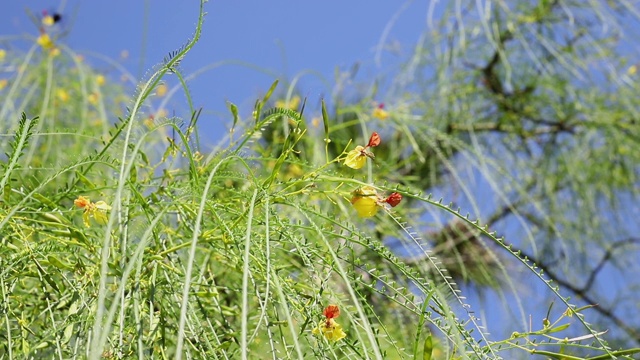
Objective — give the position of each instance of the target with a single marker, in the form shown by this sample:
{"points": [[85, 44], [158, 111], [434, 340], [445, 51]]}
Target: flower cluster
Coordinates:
{"points": [[97, 210], [292, 104], [367, 201], [357, 157], [45, 40], [330, 328]]}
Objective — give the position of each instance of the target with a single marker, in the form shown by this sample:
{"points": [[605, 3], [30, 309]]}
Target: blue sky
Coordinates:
{"points": [[283, 38]]}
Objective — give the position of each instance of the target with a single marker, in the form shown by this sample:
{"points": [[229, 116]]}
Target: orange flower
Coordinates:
{"points": [[97, 211], [82, 202], [331, 311]]}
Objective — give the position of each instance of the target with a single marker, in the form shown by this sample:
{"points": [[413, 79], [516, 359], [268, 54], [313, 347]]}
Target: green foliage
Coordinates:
{"points": [[235, 254]]}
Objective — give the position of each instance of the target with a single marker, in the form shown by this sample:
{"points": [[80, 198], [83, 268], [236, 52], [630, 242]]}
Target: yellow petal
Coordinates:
{"points": [[62, 95], [379, 113], [365, 201], [335, 332], [162, 90], [54, 52], [45, 41], [93, 98], [101, 205], [366, 207], [101, 217], [355, 159], [100, 80], [48, 20], [85, 218], [332, 332]]}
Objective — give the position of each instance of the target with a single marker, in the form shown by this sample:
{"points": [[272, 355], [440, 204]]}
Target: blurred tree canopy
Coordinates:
{"points": [[524, 114]]}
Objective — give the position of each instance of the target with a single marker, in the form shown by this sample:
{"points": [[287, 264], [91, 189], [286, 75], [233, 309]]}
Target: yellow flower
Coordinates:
{"points": [[161, 90], [293, 103], [48, 20], [100, 80], [93, 98], [632, 70], [62, 95], [380, 113], [3, 83], [161, 113], [45, 41], [331, 330], [54, 52], [97, 211], [365, 201], [149, 121], [3, 54], [356, 158]]}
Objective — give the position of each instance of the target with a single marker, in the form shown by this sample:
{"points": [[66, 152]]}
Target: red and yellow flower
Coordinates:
{"points": [[97, 211], [330, 328], [357, 157], [366, 201], [379, 112]]}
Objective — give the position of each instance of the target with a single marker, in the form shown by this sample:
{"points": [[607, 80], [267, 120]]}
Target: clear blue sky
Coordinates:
{"points": [[284, 37]]}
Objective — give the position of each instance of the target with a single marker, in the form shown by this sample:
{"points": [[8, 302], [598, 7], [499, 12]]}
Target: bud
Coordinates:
{"points": [[393, 199], [374, 140]]}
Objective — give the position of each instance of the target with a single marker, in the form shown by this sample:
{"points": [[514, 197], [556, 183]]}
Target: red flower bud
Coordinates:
{"points": [[393, 199], [332, 311], [374, 140]]}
